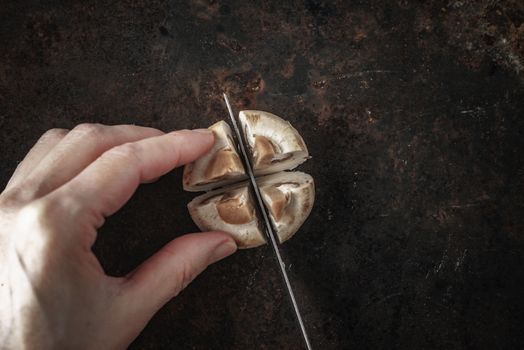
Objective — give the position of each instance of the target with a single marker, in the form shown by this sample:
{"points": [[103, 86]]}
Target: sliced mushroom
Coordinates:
{"points": [[231, 210], [274, 144], [219, 167], [288, 197]]}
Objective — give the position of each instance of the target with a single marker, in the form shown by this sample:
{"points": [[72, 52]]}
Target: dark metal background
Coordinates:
{"points": [[414, 115]]}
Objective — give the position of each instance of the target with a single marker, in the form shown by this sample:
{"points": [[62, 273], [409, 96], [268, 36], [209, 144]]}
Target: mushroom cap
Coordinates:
{"points": [[273, 143], [289, 198], [232, 210], [219, 167]]}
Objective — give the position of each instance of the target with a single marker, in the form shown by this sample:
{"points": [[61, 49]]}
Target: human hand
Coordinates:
{"points": [[53, 291]]}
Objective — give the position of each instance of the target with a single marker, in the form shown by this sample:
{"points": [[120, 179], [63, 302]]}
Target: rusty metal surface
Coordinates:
{"points": [[414, 115]]}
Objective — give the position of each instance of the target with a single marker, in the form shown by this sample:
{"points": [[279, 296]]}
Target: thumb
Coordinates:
{"points": [[172, 268]]}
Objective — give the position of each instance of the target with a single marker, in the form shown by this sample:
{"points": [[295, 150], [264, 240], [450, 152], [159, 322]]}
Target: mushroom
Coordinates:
{"points": [[219, 167], [288, 197], [229, 209], [274, 144]]}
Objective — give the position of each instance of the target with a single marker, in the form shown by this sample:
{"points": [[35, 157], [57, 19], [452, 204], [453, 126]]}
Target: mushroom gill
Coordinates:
{"points": [[276, 201], [223, 162], [235, 210], [263, 152]]}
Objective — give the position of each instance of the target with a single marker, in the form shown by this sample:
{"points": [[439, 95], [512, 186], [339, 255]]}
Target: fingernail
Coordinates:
{"points": [[225, 249], [202, 131]]}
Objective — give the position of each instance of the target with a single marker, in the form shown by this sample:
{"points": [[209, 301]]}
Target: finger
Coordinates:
{"points": [[107, 184], [151, 181], [171, 269], [79, 148], [40, 149]]}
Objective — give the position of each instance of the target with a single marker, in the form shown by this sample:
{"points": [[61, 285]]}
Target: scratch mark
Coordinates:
{"points": [[478, 201], [467, 205], [364, 72], [444, 257], [460, 260], [442, 261], [475, 112], [386, 298]]}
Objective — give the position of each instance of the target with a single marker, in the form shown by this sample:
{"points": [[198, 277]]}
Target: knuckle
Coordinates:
{"points": [[127, 151], [53, 134], [89, 130], [35, 215], [50, 212], [15, 197], [184, 273], [35, 225], [8, 200], [187, 276], [52, 217]]}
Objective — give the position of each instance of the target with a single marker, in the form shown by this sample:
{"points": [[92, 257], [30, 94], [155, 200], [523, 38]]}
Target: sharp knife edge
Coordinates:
{"points": [[269, 227]]}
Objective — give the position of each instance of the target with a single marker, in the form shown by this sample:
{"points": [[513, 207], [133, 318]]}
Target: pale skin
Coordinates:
{"points": [[54, 293]]}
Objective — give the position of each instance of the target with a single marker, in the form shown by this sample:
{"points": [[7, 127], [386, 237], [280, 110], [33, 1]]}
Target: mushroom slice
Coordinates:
{"points": [[289, 197], [274, 144], [229, 209], [219, 167]]}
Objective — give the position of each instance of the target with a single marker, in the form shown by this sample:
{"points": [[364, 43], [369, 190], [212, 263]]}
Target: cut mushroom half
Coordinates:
{"points": [[231, 210], [274, 144], [219, 167], [288, 197]]}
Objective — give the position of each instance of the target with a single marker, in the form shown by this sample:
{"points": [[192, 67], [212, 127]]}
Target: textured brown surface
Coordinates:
{"points": [[414, 115]]}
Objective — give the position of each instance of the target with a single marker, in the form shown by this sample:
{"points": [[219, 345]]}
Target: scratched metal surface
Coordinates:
{"points": [[413, 112]]}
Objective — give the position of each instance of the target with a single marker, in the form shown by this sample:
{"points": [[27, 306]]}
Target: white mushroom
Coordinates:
{"points": [[231, 210], [274, 144], [219, 167], [288, 197]]}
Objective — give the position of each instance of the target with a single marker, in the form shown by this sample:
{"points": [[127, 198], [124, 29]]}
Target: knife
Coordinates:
{"points": [[268, 228]]}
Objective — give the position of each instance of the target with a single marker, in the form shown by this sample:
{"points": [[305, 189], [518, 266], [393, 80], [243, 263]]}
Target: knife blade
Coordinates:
{"points": [[268, 227]]}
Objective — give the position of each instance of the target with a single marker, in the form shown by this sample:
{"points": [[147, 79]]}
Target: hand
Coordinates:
{"points": [[53, 291]]}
